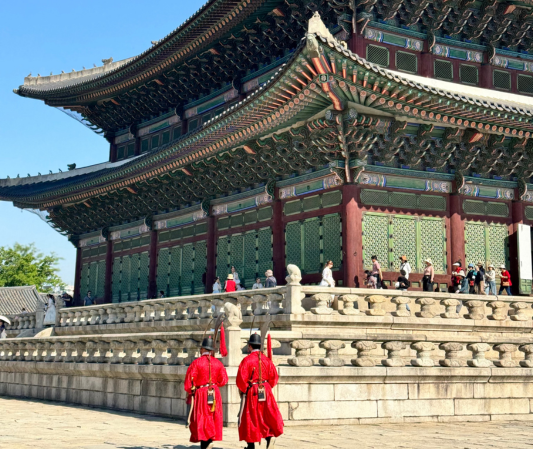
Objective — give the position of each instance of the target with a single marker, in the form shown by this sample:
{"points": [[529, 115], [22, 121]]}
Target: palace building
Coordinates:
{"points": [[266, 132]]}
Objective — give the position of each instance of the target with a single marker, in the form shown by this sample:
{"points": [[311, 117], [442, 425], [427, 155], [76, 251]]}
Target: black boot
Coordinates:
{"points": [[250, 446], [205, 444], [271, 442]]}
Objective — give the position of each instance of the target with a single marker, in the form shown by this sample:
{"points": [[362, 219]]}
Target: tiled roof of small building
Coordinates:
{"points": [[14, 299]]}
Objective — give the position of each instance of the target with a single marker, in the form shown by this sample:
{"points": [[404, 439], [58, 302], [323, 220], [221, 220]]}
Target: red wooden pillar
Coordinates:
{"points": [[457, 231], [517, 215], [108, 291], [77, 276], [352, 237], [211, 254], [278, 240], [152, 271]]}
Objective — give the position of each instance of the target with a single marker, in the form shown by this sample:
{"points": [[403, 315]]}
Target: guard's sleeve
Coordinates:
{"points": [[242, 376], [222, 375], [191, 373], [273, 376]]}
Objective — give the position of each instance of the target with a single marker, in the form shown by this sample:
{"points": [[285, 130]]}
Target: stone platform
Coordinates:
{"points": [[27, 424]]}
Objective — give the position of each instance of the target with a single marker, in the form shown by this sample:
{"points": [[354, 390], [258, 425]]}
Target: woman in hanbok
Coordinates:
{"points": [[50, 316], [327, 278], [236, 278]]}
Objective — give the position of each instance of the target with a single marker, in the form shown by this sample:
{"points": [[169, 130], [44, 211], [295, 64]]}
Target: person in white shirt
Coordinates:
{"points": [[236, 278], [257, 284], [327, 278], [405, 266]]}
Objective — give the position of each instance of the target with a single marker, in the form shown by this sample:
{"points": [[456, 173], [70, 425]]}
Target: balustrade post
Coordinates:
{"points": [[394, 349], [423, 353], [233, 334], [375, 305], [95, 317], [322, 307], [176, 347], [170, 306], [80, 349], [499, 311], [70, 348], [349, 303], [32, 321], [332, 353], [39, 353], [147, 309], [192, 347], [205, 309], [78, 318], [70, 318], [29, 350], [130, 314], [275, 303], [476, 309], [260, 302], [364, 357], [111, 314], [39, 317], [181, 310], [130, 353], [450, 306], [103, 315], [506, 356], [302, 357], [478, 355], [161, 356], [192, 306], [219, 307], [103, 348], [528, 352], [159, 312], [401, 306], [294, 294], [58, 348], [59, 304], [146, 350], [246, 305], [519, 311], [452, 354], [426, 305], [48, 347], [85, 317], [116, 348]]}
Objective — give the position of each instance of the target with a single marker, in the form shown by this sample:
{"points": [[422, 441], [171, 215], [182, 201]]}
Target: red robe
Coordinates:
{"points": [[259, 419], [206, 425]]}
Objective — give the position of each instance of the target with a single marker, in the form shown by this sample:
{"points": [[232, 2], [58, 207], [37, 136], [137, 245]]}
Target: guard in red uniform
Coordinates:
{"points": [[203, 379], [260, 416]]}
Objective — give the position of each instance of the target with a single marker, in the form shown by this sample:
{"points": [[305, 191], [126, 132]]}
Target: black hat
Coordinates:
{"points": [[255, 339], [208, 344]]}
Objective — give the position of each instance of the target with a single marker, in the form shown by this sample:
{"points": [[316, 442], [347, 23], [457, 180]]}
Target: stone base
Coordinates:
{"points": [[331, 362], [423, 362]]}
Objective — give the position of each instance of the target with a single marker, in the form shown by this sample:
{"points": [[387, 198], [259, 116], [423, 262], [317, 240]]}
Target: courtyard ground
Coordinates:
{"points": [[33, 424]]}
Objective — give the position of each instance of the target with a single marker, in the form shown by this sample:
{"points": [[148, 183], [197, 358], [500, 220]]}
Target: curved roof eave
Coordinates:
{"points": [[213, 19]]}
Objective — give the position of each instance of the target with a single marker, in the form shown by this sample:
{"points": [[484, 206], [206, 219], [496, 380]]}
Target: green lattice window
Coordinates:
{"points": [[443, 70], [309, 243], [402, 200], [389, 236], [486, 243], [93, 279], [525, 84], [491, 208], [377, 55], [406, 62], [529, 212], [468, 74], [313, 202], [501, 79]]}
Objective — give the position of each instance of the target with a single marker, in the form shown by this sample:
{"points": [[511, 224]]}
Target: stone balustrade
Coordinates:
{"points": [[134, 349], [23, 322], [401, 353]]}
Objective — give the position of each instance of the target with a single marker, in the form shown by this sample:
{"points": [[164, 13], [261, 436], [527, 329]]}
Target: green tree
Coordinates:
{"points": [[25, 265]]}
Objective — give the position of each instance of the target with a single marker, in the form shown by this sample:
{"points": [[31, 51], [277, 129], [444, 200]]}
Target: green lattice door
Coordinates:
{"points": [[249, 270], [144, 268], [309, 243], [264, 251], [125, 280], [486, 243], [187, 270], [175, 271], [200, 264], [84, 280], [390, 236], [222, 258], [115, 286], [100, 279], [163, 271]]}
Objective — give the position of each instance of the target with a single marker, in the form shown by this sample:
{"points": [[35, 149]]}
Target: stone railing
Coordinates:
{"points": [[400, 353], [25, 323], [134, 349]]}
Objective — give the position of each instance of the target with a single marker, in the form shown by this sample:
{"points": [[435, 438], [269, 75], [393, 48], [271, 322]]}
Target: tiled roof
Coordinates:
{"points": [[13, 299]]}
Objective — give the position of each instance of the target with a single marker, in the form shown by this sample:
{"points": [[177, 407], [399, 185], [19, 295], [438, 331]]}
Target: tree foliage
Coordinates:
{"points": [[25, 265]]}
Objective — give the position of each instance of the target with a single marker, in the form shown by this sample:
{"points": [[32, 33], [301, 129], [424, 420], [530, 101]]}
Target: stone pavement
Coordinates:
{"points": [[29, 424]]}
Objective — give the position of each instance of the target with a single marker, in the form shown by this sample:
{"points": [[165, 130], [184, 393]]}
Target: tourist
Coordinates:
{"points": [[257, 284], [371, 281], [50, 316], [505, 281], [217, 286], [471, 278], [256, 377], [204, 280], [405, 266], [203, 380], [462, 285], [161, 293], [88, 300], [429, 275], [403, 281], [67, 300], [490, 280], [236, 278], [270, 281], [480, 279], [230, 285], [327, 275], [376, 271], [23, 311], [456, 281], [3, 333]]}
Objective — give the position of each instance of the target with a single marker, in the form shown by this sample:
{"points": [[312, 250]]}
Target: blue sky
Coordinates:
{"points": [[43, 37]]}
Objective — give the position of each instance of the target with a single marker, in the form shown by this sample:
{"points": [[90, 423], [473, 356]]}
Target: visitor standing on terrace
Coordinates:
{"points": [[88, 300], [505, 281], [270, 281], [429, 274], [236, 278], [376, 271], [230, 285]]}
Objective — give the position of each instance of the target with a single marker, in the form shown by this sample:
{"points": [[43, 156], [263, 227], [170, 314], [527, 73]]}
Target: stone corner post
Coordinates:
{"points": [[60, 304], [39, 316], [294, 295]]}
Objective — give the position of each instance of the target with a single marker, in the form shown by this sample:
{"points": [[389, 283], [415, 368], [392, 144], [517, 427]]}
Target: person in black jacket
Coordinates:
{"points": [[480, 279], [471, 278], [402, 283]]}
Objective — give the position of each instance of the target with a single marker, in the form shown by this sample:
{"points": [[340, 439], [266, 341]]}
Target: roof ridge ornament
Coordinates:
{"points": [[317, 26]]}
